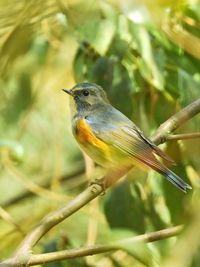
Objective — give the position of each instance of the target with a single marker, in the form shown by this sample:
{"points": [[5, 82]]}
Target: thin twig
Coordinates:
{"points": [[8, 218], [183, 136], [96, 249]]}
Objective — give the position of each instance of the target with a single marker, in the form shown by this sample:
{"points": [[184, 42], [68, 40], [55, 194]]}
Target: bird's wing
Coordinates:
{"points": [[156, 149], [119, 132], [125, 136], [129, 142]]}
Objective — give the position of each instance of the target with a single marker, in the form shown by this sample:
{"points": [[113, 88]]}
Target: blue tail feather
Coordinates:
{"points": [[167, 173], [176, 180]]}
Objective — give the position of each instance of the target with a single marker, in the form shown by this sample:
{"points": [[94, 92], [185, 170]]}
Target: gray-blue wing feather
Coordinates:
{"points": [[115, 129]]}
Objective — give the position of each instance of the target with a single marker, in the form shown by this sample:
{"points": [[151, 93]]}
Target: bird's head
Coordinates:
{"points": [[85, 96]]}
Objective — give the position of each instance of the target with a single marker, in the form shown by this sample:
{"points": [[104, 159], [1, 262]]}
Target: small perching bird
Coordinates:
{"points": [[110, 138]]}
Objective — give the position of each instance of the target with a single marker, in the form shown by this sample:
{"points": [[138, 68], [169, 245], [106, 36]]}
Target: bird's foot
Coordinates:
{"points": [[100, 182]]}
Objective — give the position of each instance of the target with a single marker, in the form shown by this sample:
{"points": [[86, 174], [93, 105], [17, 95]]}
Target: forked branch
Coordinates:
{"points": [[176, 121]]}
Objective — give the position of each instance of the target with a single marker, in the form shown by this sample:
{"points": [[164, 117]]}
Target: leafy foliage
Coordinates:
{"points": [[149, 73]]}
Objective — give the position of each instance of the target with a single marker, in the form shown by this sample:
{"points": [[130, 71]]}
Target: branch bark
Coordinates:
{"points": [[23, 252], [95, 249], [183, 136], [176, 121]]}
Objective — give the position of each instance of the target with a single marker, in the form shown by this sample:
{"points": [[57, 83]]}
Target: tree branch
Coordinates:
{"points": [[58, 216], [176, 121], [24, 250], [95, 249], [183, 136]]}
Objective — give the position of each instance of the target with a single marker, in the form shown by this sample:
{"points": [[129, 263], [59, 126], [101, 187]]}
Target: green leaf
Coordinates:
{"points": [[84, 59], [21, 36], [104, 36], [175, 199], [122, 89], [146, 63], [20, 100], [124, 209], [102, 72]]}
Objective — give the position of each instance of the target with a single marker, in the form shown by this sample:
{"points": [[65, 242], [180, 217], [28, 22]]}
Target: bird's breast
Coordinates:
{"points": [[89, 142], [84, 134]]}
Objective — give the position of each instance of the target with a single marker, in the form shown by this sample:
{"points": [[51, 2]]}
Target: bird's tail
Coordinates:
{"points": [[167, 173], [176, 180]]}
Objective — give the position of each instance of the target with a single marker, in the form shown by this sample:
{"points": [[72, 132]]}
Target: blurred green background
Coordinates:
{"points": [[146, 54]]}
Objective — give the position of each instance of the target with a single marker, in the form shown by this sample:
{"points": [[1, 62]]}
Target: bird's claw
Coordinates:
{"points": [[100, 182]]}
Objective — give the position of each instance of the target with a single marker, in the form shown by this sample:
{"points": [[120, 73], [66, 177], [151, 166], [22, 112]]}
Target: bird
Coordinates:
{"points": [[110, 138]]}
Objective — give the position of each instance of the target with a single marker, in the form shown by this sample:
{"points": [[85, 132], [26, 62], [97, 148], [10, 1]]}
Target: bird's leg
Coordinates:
{"points": [[100, 182], [111, 177]]}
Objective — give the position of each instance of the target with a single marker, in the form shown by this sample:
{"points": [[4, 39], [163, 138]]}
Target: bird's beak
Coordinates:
{"points": [[69, 92]]}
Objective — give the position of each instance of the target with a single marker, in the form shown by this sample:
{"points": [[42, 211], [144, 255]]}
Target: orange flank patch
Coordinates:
{"points": [[85, 135]]}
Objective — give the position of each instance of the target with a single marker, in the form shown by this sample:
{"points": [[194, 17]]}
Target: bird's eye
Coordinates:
{"points": [[85, 92]]}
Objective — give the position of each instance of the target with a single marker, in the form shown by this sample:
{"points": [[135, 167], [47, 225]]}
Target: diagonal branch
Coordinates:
{"points": [[54, 218], [71, 207]]}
